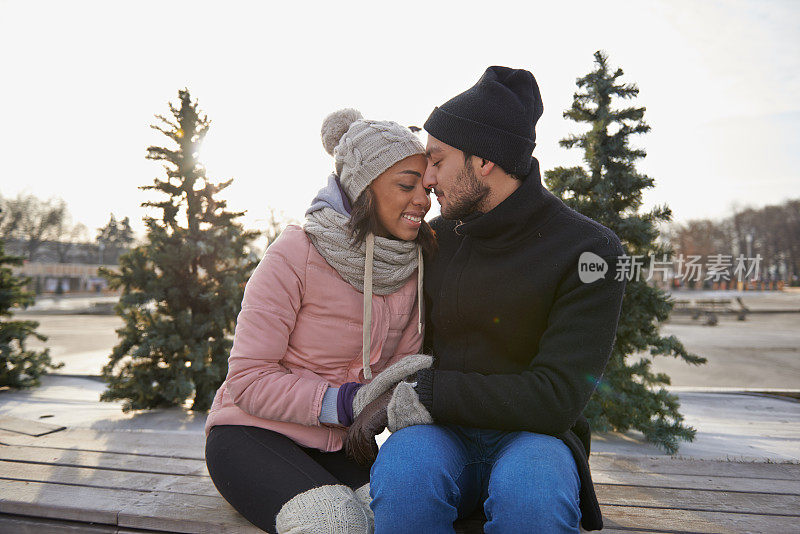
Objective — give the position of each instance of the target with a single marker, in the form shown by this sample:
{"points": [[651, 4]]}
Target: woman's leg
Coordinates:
{"points": [[257, 471], [346, 471], [423, 480]]}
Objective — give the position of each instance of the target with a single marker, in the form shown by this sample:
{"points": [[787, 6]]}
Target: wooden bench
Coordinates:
{"points": [[711, 308], [55, 480]]}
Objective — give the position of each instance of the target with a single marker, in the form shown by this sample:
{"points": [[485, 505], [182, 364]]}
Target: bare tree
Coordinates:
{"points": [[66, 235], [32, 220], [273, 224], [771, 232], [9, 218]]}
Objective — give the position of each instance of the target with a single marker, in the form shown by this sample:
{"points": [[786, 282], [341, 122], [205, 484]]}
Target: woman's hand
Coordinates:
{"points": [[360, 444]]}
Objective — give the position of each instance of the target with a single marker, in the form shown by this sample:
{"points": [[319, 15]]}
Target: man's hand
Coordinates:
{"points": [[388, 379], [360, 444], [405, 408]]}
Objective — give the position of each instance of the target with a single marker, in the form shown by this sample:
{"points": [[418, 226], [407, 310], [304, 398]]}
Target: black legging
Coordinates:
{"points": [[258, 470]]}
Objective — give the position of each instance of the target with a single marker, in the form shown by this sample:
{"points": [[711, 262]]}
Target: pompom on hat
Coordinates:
{"points": [[363, 149], [336, 125]]}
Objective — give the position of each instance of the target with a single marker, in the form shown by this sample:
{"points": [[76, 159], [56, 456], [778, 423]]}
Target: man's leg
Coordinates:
{"points": [[423, 480], [533, 486]]}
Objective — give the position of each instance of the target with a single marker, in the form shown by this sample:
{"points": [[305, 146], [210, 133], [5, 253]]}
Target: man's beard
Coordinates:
{"points": [[465, 195]]}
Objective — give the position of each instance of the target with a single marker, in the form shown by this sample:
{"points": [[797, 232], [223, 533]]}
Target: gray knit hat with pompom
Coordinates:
{"points": [[363, 149]]}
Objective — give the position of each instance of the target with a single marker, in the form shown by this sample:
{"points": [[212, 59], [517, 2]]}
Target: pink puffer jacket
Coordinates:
{"points": [[299, 332]]}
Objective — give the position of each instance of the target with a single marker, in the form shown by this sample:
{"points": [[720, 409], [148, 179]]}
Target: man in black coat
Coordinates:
{"points": [[522, 307]]}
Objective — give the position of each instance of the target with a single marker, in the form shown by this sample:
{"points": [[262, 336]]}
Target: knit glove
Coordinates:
{"points": [[405, 408], [359, 443], [387, 378]]}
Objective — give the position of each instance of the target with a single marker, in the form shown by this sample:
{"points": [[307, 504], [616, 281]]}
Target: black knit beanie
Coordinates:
{"points": [[494, 119]]}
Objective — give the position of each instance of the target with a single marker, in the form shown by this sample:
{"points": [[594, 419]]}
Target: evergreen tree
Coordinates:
{"points": [[182, 289], [114, 238], [108, 233], [609, 190], [20, 367], [125, 236]]}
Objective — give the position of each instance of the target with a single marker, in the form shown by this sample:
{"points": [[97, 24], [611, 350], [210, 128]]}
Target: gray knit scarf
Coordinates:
{"points": [[394, 260]]}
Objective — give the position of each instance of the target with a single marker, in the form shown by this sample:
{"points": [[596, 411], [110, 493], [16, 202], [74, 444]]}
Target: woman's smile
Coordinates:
{"points": [[415, 221]]}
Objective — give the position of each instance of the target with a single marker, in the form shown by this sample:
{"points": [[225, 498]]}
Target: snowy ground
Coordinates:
{"points": [[762, 352]]}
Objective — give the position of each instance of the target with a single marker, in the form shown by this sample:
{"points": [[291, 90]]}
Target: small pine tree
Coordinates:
{"points": [[108, 233], [182, 289], [19, 367], [125, 236], [114, 238], [609, 190]]}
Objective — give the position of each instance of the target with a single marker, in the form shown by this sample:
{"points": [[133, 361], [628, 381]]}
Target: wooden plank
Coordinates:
{"points": [[642, 496], [678, 466], [698, 482], [175, 512], [27, 427], [626, 517], [687, 495], [160, 444], [43, 500], [68, 477], [79, 476], [18, 524], [729, 505], [52, 501], [198, 513], [188, 485], [713, 501], [472, 526], [102, 460]]}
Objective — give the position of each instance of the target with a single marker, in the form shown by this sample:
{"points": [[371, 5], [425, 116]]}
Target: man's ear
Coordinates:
{"points": [[486, 167]]}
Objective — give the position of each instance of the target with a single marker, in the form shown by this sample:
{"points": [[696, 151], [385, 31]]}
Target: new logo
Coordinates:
{"points": [[591, 267]]}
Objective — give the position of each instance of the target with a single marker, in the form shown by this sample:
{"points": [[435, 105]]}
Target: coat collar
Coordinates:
{"points": [[523, 212]]}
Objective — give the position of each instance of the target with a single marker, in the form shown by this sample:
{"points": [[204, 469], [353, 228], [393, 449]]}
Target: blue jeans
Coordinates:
{"points": [[427, 476]]}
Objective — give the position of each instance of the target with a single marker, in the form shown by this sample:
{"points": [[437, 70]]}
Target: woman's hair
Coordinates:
{"points": [[364, 219]]}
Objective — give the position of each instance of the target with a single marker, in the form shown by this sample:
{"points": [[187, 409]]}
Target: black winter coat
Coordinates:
{"points": [[519, 341]]}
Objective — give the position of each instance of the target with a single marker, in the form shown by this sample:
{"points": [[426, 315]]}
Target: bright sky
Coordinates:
{"points": [[82, 81]]}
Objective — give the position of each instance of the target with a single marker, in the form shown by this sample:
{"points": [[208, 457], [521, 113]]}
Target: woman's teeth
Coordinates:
{"points": [[412, 218]]}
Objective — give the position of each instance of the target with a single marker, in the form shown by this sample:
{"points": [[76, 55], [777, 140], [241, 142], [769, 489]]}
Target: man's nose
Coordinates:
{"points": [[429, 178]]}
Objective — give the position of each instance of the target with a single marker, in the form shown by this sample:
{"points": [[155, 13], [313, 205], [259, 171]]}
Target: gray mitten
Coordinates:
{"points": [[333, 509], [387, 378], [405, 408]]}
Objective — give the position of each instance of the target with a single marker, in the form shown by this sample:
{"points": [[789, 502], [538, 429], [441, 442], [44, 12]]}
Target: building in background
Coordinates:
{"points": [[76, 275]]}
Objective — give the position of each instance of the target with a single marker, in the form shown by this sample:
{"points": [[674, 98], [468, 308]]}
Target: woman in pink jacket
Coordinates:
{"points": [[328, 306]]}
